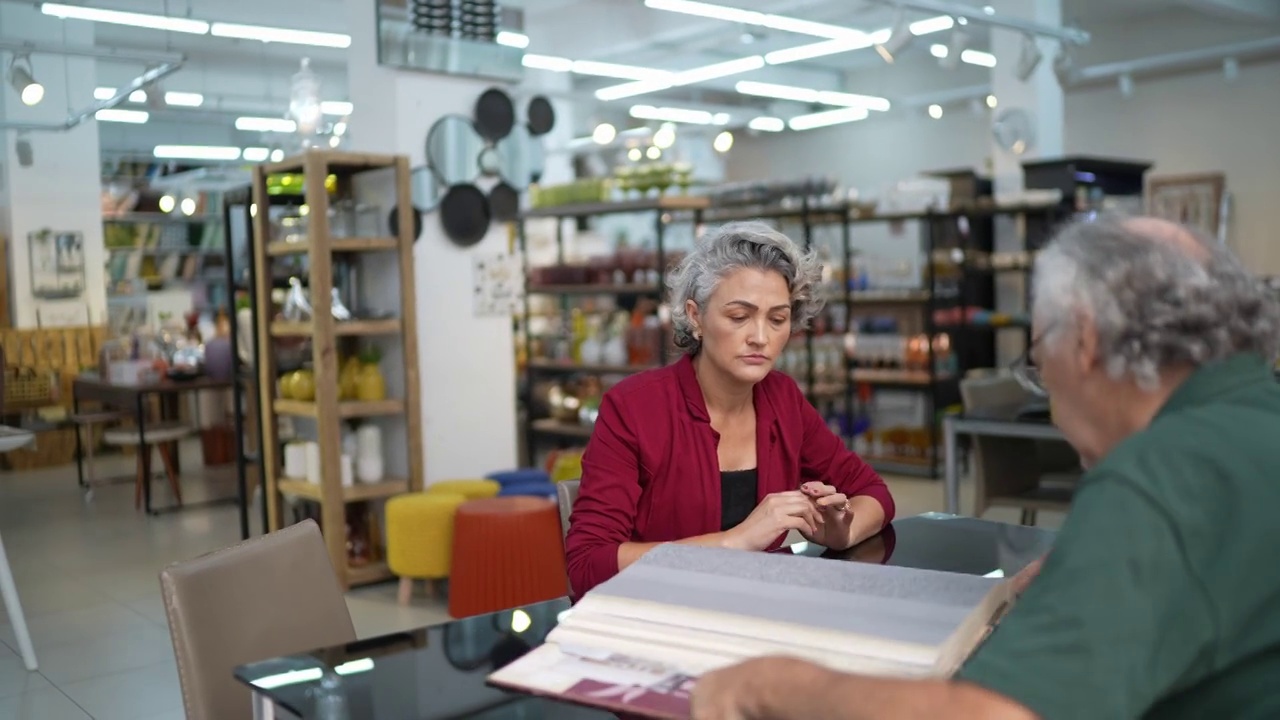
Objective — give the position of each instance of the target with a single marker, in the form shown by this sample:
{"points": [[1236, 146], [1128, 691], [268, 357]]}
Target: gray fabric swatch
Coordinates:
{"points": [[894, 603]]}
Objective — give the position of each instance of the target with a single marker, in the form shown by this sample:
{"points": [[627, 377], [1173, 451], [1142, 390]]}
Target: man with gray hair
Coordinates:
{"points": [[1161, 597]]}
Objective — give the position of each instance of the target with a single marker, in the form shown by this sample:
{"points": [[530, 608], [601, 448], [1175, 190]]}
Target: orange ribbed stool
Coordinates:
{"points": [[507, 552]]}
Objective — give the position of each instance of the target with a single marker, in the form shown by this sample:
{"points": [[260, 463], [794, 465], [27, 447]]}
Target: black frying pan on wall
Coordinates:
{"points": [[495, 114], [504, 201], [465, 214], [541, 116]]}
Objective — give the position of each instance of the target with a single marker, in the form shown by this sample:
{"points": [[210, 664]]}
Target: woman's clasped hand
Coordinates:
{"points": [[813, 511]]}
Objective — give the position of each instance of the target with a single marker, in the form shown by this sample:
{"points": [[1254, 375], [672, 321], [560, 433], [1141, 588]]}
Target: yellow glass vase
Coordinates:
{"points": [[370, 384]]}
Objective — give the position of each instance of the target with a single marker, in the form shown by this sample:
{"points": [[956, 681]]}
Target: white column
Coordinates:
{"points": [[466, 363], [1041, 97], [61, 189]]}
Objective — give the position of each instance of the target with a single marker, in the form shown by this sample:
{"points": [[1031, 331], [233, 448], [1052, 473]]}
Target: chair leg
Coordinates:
{"points": [[137, 485], [13, 606], [1028, 516], [406, 590], [170, 470]]}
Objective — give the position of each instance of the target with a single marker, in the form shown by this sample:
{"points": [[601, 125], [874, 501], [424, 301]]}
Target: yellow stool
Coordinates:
{"points": [[568, 466], [420, 538], [472, 489]]}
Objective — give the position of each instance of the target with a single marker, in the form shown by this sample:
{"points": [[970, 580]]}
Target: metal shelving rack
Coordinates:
{"points": [[663, 209], [973, 344]]}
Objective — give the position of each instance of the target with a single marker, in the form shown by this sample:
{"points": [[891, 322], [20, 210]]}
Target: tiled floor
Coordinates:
{"points": [[87, 576]]}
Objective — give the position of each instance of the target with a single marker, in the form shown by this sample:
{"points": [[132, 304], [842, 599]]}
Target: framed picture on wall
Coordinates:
{"points": [[57, 264], [1195, 200]]}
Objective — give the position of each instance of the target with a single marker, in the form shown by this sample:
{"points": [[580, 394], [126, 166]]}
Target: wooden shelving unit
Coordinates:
{"points": [[327, 411]]}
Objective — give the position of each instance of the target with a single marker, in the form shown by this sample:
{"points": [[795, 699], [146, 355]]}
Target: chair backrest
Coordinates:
{"points": [[566, 494], [266, 597]]}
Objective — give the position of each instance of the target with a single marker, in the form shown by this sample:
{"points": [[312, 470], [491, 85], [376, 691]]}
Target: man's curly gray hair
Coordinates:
{"points": [[1155, 305], [738, 245]]}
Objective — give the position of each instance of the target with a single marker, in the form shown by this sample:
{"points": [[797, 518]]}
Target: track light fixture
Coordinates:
{"points": [[899, 37], [959, 41], [1064, 65], [23, 82], [1231, 69], [1126, 86], [1029, 58]]}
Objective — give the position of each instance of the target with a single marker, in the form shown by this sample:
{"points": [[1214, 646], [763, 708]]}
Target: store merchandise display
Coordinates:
{"points": [[903, 319], [343, 330]]}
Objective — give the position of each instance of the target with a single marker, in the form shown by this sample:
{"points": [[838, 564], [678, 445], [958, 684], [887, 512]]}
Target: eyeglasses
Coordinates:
{"points": [[1026, 373]]}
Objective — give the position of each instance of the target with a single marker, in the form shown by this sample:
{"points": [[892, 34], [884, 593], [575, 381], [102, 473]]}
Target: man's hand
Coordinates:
{"points": [[1025, 576], [783, 688], [741, 692]]}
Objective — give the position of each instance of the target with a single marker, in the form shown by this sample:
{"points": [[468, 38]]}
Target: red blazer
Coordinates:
{"points": [[650, 472]]}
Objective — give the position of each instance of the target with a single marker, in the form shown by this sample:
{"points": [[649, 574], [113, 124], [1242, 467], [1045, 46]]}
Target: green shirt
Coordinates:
{"points": [[1161, 597]]}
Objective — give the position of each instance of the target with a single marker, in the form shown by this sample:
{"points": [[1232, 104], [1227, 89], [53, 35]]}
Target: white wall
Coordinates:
{"points": [[61, 190], [1188, 123], [1198, 123], [466, 363]]}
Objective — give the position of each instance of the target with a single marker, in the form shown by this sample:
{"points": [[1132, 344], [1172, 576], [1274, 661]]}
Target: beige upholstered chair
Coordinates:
{"points": [[1030, 475], [566, 494], [266, 597]]}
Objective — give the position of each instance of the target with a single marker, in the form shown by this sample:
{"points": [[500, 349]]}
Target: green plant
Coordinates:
{"points": [[370, 355]]}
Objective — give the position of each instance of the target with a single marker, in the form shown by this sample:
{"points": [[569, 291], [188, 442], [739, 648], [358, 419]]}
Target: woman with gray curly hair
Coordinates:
{"points": [[718, 448]]}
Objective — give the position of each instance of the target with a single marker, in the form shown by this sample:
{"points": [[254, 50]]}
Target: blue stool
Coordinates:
{"points": [[521, 477], [531, 489]]}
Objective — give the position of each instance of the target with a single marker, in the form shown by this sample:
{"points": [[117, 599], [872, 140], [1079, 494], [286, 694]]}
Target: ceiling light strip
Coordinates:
{"points": [[280, 35], [266, 124], [810, 95], [199, 27], [119, 17], [765, 123], [680, 115], [512, 39], [196, 152], [685, 77], [752, 17], [183, 99], [136, 117], [693, 76], [827, 117], [972, 57]]}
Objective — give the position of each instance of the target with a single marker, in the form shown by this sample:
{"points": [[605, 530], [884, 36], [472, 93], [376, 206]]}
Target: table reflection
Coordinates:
{"points": [[439, 672]]}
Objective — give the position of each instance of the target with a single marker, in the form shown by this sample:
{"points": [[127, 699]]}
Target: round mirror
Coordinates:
{"points": [[424, 189], [520, 154], [452, 148], [489, 162]]}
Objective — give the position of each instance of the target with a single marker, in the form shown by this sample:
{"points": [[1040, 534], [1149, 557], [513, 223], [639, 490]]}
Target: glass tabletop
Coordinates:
{"points": [[439, 672]]}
